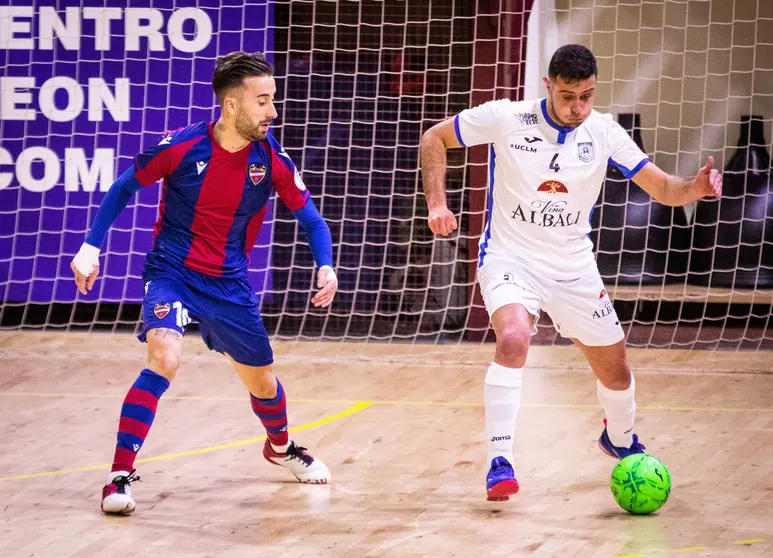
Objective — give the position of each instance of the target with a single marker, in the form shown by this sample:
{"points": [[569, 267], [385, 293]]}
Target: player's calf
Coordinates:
{"points": [[279, 449], [137, 414], [502, 399], [617, 439]]}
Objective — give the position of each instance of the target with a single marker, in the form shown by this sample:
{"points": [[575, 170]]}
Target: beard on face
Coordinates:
{"points": [[248, 129]]}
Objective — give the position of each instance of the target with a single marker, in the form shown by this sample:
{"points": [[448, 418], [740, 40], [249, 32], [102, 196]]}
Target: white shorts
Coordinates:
{"points": [[580, 308]]}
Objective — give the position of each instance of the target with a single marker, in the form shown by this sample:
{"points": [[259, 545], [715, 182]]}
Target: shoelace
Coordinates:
{"points": [[636, 447], [503, 464], [297, 452], [120, 481]]}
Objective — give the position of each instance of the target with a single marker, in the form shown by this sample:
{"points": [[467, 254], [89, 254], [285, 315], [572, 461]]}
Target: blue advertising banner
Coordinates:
{"points": [[84, 86]]}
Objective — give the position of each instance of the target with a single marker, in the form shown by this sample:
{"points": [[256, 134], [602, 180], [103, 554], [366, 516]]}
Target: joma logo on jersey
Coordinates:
{"points": [[552, 187], [523, 148], [257, 173]]}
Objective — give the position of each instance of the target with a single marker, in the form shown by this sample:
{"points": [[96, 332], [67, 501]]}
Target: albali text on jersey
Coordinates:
{"points": [[213, 201], [544, 180]]}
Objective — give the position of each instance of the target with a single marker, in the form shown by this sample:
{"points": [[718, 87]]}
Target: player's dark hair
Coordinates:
{"points": [[231, 69], [572, 63]]}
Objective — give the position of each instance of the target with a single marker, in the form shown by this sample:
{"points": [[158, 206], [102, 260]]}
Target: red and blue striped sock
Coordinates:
{"points": [[137, 414], [273, 414]]}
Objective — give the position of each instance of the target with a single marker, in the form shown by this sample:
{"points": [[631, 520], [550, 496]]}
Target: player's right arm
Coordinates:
{"points": [[482, 124], [149, 166], [434, 143]]}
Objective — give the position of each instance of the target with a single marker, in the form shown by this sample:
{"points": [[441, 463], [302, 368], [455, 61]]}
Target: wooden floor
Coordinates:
{"points": [[401, 428]]}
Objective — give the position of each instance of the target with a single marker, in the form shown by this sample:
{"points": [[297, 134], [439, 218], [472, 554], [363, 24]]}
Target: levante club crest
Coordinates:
{"points": [[161, 310], [257, 173]]}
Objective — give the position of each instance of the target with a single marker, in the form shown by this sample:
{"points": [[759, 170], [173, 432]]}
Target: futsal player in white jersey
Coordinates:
{"points": [[548, 160]]}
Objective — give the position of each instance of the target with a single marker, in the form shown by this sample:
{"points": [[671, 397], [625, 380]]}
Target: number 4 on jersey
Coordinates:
{"points": [[553, 164]]}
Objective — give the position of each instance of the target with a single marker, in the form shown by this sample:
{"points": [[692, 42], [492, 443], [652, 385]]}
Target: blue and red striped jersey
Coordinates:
{"points": [[213, 201]]}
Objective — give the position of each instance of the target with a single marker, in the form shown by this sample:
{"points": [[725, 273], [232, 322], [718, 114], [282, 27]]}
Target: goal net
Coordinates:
{"points": [[689, 79], [84, 88]]}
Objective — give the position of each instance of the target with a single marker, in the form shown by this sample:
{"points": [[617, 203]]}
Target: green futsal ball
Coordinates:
{"points": [[640, 483]]}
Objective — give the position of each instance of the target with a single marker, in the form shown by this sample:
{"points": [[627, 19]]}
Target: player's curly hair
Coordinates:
{"points": [[231, 69], [572, 63]]}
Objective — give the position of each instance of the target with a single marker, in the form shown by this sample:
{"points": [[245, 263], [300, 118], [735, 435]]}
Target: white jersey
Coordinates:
{"points": [[543, 181]]}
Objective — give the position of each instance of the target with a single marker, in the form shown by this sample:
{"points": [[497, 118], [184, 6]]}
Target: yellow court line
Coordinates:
{"points": [[359, 406], [406, 403], [692, 548]]}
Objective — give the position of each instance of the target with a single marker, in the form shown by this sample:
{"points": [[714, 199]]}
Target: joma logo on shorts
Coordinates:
{"points": [[499, 438]]}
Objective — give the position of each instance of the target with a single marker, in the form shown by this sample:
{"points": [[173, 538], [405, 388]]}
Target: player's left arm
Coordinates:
{"points": [[663, 187], [321, 244], [292, 191], [674, 190]]}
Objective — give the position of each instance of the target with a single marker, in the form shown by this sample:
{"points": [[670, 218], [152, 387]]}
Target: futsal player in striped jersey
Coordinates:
{"points": [[217, 180]]}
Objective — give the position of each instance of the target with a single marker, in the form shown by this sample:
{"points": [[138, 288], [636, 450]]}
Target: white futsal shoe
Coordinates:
{"points": [[117, 493], [301, 463]]}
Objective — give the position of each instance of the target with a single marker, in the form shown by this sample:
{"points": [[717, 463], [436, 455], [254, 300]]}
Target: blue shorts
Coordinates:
{"points": [[226, 309]]}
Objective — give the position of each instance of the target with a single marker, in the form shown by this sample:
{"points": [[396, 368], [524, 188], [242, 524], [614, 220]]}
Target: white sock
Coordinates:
{"points": [[502, 399], [280, 449], [620, 410]]}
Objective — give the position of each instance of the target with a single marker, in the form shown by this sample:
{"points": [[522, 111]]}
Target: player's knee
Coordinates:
{"points": [[262, 383], [513, 343], [164, 363]]}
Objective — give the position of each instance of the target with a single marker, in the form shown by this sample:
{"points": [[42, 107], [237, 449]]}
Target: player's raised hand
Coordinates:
{"points": [[85, 267], [708, 181], [327, 282], [442, 221]]}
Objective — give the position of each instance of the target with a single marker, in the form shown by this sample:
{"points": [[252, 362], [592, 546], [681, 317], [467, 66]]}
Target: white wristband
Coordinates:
{"points": [[86, 259]]}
